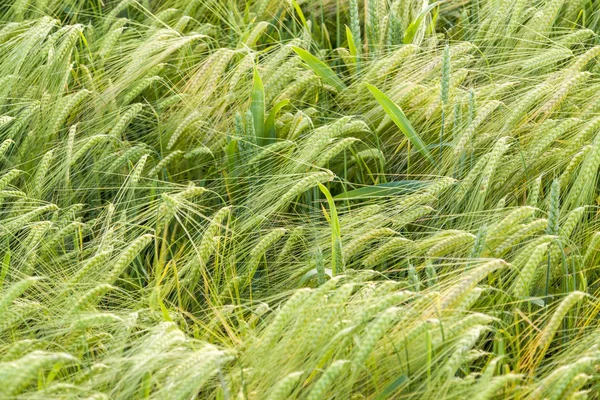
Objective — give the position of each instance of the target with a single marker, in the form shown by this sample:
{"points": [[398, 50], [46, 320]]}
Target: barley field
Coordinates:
{"points": [[300, 199]]}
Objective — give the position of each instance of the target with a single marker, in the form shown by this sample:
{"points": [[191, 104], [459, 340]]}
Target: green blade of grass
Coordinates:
{"points": [[336, 236], [351, 44], [321, 69], [411, 31], [397, 115], [270, 123]]}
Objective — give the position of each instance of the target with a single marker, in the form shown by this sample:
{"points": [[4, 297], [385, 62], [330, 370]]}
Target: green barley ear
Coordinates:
{"points": [[90, 298], [127, 256], [553, 208], [40, 175], [28, 367], [523, 282], [479, 243], [546, 336], [445, 83], [432, 279], [282, 389], [14, 291], [259, 250], [327, 379], [118, 128], [460, 349], [413, 279]]}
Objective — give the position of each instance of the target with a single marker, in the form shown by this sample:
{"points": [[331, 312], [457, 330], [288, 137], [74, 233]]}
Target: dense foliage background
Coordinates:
{"points": [[309, 199]]}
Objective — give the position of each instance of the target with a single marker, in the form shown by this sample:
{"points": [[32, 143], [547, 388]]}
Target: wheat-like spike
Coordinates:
{"points": [[592, 248], [69, 151], [450, 244], [561, 93], [139, 88], [553, 208], [549, 137], [469, 282], [546, 59], [355, 24], [40, 175], [546, 336], [410, 215], [88, 266], [326, 380], [471, 177], [356, 245], [271, 150], [27, 368], [524, 105], [509, 222], [382, 253], [19, 222], [206, 247], [372, 334], [282, 389], [67, 105], [5, 146], [182, 126], [576, 366], [576, 383], [303, 185], [63, 232], [165, 162], [19, 347], [495, 155], [127, 256], [581, 61], [571, 221], [89, 144], [8, 177], [463, 345], [90, 297], [14, 291], [492, 388], [259, 250], [256, 33], [576, 160], [111, 38], [523, 283], [128, 157], [526, 230], [94, 320], [126, 118], [285, 314], [482, 115]]}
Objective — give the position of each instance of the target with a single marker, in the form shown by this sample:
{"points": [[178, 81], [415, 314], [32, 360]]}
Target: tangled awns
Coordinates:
{"points": [[300, 199]]}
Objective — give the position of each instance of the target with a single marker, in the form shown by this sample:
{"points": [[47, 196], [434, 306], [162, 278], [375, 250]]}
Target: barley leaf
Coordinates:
{"points": [[321, 69], [397, 115]]}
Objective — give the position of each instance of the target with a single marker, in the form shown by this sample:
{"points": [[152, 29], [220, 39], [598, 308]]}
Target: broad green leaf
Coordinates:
{"points": [[392, 387], [411, 31], [270, 124], [300, 14], [351, 44], [5, 266], [382, 190], [257, 107], [336, 236], [312, 273], [321, 69], [397, 115]]}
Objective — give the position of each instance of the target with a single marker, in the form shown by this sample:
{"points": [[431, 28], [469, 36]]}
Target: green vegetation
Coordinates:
{"points": [[312, 199]]}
